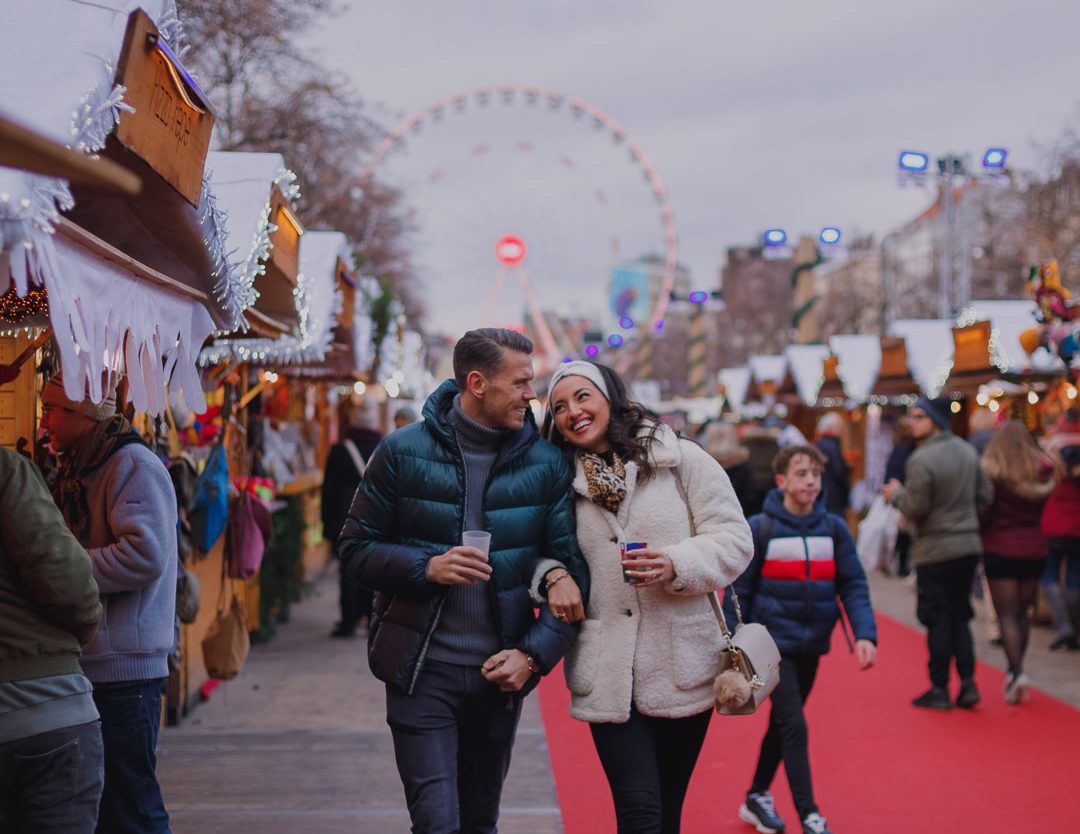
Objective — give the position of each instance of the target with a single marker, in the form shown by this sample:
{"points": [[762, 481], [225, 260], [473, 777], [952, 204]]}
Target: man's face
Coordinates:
{"points": [[921, 424], [66, 428], [504, 396], [802, 481]]}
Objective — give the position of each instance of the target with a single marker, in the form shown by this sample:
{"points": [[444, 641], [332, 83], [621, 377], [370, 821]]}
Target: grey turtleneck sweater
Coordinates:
{"points": [[466, 634]]}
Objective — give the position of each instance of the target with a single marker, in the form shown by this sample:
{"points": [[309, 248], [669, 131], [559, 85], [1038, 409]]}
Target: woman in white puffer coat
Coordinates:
{"points": [[642, 670]]}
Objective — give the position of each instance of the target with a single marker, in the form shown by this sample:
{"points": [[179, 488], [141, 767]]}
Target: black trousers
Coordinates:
{"points": [[944, 607], [648, 762], [787, 738], [452, 739]]}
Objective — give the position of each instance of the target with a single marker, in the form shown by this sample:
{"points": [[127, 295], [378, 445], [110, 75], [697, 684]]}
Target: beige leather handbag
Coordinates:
{"points": [[752, 654]]}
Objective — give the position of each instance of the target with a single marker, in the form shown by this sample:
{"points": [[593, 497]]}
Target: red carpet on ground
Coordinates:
{"points": [[880, 766]]}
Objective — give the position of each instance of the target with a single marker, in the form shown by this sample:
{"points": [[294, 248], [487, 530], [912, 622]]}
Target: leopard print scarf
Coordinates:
{"points": [[607, 483]]}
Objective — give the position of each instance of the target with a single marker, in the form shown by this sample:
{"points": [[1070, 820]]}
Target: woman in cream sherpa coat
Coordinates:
{"points": [[642, 671]]}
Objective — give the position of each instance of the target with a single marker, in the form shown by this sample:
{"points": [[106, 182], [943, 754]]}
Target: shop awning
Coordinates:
{"points": [[768, 373], [928, 347], [294, 272], [986, 341], [167, 265], [804, 374], [894, 379], [859, 359], [736, 383]]}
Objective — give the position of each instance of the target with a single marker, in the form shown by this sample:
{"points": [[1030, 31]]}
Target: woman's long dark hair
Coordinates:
{"points": [[628, 417]]}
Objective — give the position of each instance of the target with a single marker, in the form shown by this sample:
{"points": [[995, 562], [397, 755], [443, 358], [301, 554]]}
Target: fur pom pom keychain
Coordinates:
{"points": [[731, 689]]}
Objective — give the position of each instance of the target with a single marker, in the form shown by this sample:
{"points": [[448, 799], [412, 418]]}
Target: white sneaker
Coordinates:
{"points": [[1016, 688]]}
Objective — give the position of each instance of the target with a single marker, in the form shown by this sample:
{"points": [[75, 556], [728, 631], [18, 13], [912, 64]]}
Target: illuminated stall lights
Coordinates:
{"points": [[15, 309], [359, 388]]}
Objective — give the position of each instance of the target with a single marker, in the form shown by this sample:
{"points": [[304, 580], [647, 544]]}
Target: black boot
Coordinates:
{"points": [[936, 697], [968, 696]]}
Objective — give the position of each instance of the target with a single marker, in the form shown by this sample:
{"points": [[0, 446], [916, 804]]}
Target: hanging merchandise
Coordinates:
{"points": [[249, 532], [227, 643], [209, 511]]}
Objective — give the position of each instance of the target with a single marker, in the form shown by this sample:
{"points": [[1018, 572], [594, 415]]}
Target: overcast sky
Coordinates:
{"points": [[755, 115]]}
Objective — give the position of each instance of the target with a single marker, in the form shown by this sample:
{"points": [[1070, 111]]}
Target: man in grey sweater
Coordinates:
{"points": [[944, 490], [118, 500]]}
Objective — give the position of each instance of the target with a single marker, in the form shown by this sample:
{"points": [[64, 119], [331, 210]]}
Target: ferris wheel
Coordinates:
{"points": [[514, 237]]}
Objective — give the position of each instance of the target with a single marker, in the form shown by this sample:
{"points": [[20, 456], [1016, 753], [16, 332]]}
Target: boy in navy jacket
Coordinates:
{"points": [[804, 558]]}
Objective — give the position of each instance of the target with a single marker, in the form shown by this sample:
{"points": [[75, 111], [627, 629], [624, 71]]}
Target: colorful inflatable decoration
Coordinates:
{"points": [[1058, 329]]}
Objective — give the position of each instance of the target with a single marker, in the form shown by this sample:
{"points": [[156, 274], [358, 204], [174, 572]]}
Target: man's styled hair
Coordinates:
{"points": [[783, 458], [482, 350]]}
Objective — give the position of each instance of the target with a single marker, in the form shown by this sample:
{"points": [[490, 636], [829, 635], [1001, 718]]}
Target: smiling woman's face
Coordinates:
{"points": [[581, 413]]}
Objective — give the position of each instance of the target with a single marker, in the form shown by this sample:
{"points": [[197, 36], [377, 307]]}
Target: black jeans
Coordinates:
{"points": [[452, 740], [944, 607], [787, 738], [52, 781], [131, 802], [648, 762]]}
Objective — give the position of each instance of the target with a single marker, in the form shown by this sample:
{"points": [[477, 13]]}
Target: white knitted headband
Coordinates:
{"points": [[580, 368]]}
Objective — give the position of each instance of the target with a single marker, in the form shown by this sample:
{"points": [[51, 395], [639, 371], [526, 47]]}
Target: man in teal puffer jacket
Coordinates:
{"points": [[454, 635]]}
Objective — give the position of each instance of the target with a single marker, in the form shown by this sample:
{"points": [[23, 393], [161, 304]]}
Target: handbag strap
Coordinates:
{"points": [[357, 458], [712, 596]]}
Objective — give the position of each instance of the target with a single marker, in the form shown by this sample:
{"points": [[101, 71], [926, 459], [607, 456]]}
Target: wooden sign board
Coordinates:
{"points": [[285, 240], [346, 282], [171, 126], [971, 347]]}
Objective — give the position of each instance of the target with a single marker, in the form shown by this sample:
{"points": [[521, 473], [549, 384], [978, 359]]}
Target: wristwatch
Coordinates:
{"points": [[534, 668]]}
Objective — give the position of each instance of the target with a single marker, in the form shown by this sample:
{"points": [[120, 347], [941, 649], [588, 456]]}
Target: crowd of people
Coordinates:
{"points": [[479, 549], [617, 531]]}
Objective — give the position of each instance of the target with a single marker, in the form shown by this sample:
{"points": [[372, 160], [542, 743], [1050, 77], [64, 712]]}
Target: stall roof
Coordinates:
{"points": [[929, 346], [1008, 319], [736, 382], [804, 365], [71, 96], [318, 301], [859, 359], [244, 184], [768, 371]]}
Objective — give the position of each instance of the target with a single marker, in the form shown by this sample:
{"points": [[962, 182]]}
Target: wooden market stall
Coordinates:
{"points": [[68, 271], [990, 367], [256, 191]]}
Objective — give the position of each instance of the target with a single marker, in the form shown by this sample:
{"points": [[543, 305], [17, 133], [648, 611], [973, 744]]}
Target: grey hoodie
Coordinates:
{"points": [[132, 547]]}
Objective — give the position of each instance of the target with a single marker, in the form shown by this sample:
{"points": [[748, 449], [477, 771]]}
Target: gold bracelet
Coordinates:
{"points": [[549, 582]]}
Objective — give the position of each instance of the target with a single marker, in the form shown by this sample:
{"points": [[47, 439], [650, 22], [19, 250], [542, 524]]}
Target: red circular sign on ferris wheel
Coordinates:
{"points": [[510, 250]]}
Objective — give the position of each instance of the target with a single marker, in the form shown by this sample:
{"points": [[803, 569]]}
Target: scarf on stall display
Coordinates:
{"points": [[607, 482], [68, 490]]}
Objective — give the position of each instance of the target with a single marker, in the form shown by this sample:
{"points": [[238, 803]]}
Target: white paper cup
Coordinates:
{"points": [[480, 539]]}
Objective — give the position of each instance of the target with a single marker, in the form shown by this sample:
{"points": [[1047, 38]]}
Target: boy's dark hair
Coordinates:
{"points": [[783, 458], [482, 350]]}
